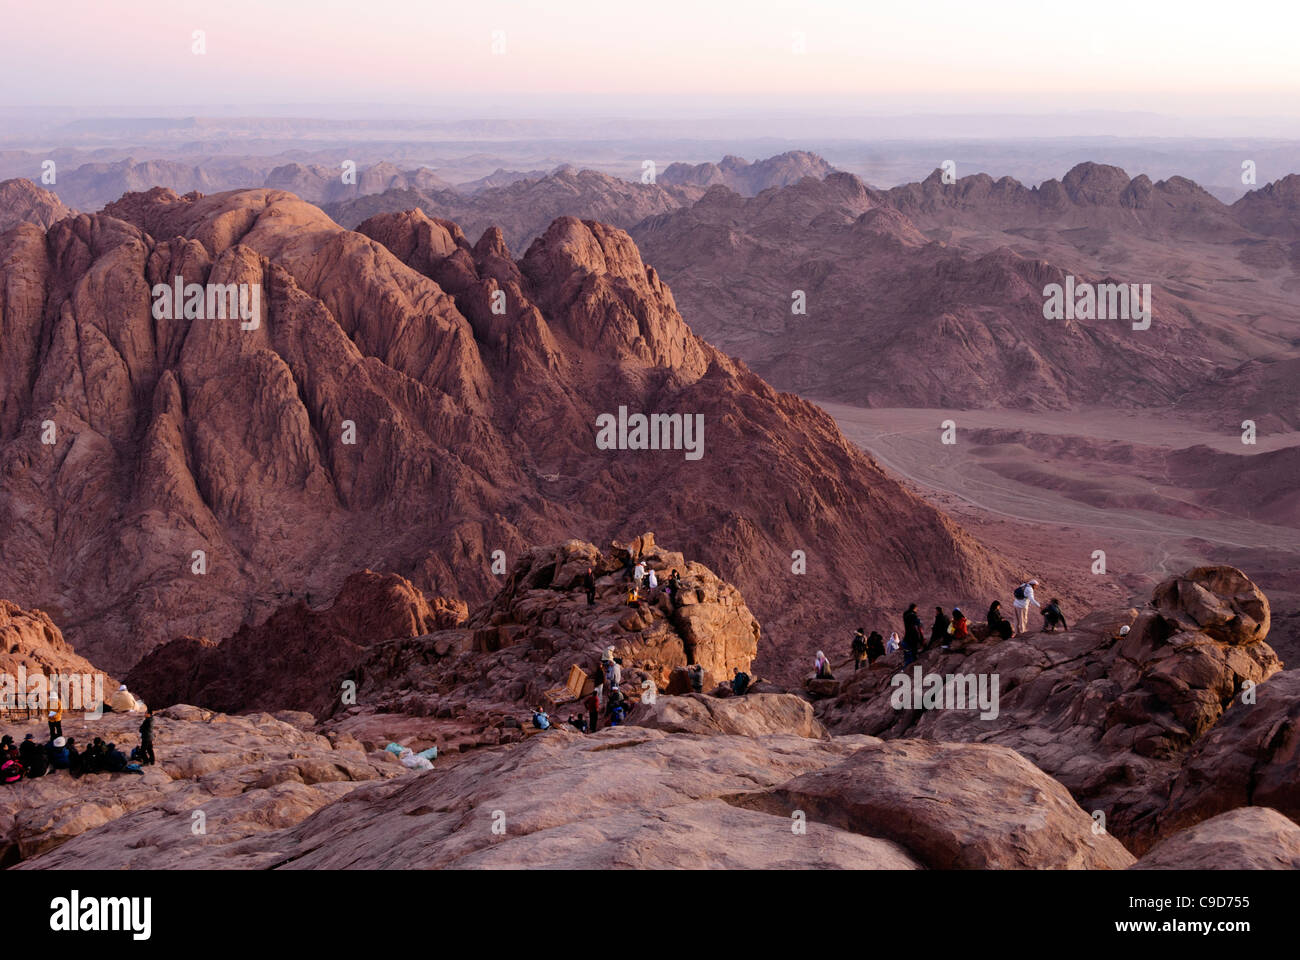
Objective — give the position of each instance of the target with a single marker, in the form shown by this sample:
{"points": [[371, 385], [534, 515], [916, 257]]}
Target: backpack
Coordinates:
{"points": [[859, 644], [741, 683], [1020, 592]]}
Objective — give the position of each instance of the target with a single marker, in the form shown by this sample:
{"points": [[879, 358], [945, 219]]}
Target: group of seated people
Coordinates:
{"points": [[31, 759]]}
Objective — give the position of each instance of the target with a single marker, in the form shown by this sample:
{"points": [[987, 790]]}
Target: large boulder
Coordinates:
{"points": [[753, 715], [1249, 838], [953, 806]]}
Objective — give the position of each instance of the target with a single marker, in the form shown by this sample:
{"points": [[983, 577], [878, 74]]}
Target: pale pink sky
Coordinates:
{"points": [[1005, 54]]}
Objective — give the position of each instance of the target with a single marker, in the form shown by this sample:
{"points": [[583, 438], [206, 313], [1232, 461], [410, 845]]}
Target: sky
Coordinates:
{"points": [[669, 57]]}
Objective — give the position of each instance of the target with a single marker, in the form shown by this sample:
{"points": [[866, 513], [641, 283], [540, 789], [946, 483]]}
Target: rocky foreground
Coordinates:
{"points": [[1174, 745]]}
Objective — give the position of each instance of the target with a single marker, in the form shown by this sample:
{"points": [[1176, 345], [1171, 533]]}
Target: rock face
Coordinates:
{"points": [[31, 643], [539, 626], [248, 776], [953, 806], [293, 660], [1250, 838], [754, 715], [377, 418], [21, 201], [636, 797], [1115, 719]]}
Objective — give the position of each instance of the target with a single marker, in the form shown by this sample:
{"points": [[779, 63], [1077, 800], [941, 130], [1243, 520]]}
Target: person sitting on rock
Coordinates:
{"points": [[11, 768], [633, 597], [32, 756], [875, 647], [960, 628], [739, 682], [649, 692], [57, 754], [114, 759], [92, 758], [540, 719], [998, 624], [859, 648], [578, 722], [123, 701], [823, 667], [1052, 616]]}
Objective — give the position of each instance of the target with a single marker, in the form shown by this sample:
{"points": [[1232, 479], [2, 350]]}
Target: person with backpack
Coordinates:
{"points": [[696, 673], [875, 647], [859, 648], [939, 629], [739, 682], [589, 585], [1052, 616], [1024, 596], [146, 739]]}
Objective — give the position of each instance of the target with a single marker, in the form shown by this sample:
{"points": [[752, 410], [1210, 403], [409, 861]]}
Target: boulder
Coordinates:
{"points": [[753, 715], [1248, 838]]}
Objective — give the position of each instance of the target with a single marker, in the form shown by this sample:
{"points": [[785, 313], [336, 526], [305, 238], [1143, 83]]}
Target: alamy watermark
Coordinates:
{"points": [[209, 301], [951, 691], [1098, 301], [73, 691], [658, 431]]}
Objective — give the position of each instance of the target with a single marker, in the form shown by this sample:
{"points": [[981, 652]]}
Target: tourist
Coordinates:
{"points": [[57, 754], [823, 667], [1052, 616], [859, 648], [54, 716], [875, 647], [540, 719], [998, 624], [960, 628], [32, 756], [638, 574], [739, 682], [589, 584], [652, 582], [146, 739], [1024, 596], [912, 636], [939, 629], [592, 703], [891, 645]]}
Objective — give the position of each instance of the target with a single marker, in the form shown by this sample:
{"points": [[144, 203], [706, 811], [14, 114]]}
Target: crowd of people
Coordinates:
{"points": [[946, 631], [32, 758]]}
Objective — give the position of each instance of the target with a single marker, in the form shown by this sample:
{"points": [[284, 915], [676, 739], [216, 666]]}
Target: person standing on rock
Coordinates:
{"points": [[912, 636], [638, 574], [146, 739], [859, 648], [739, 682], [54, 716], [592, 703], [939, 629], [1023, 598], [652, 583], [589, 584], [675, 589]]}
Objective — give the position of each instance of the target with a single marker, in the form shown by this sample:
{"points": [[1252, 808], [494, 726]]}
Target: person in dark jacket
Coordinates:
{"points": [[739, 682], [592, 703], [146, 739], [92, 758], [912, 636], [875, 647], [114, 759], [74, 758], [1052, 616], [939, 629], [998, 624], [859, 648], [57, 754], [32, 756], [589, 585]]}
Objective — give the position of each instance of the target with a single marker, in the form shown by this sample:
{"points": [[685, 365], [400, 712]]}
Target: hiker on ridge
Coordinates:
{"points": [[739, 682], [823, 667], [1024, 597], [998, 624], [589, 585], [54, 716], [146, 739], [960, 629]]}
